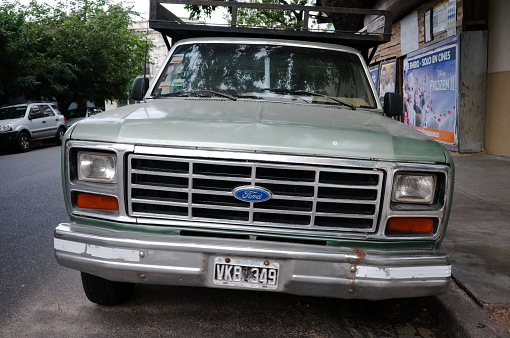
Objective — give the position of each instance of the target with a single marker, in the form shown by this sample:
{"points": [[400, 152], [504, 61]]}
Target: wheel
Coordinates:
{"points": [[105, 292], [23, 142], [399, 311], [60, 135]]}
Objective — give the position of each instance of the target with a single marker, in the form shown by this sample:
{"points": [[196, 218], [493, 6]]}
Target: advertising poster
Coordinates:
{"points": [[430, 92], [409, 33], [387, 78], [439, 18], [374, 73]]}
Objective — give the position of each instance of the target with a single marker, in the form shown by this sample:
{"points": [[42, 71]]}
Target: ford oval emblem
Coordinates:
{"points": [[252, 194]]}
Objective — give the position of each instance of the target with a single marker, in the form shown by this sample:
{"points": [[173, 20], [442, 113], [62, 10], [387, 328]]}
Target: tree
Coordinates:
{"points": [[258, 17], [81, 51], [13, 49], [291, 19]]}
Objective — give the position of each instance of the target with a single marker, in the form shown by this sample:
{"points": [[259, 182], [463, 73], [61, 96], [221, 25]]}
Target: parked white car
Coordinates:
{"points": [[23, 123]]}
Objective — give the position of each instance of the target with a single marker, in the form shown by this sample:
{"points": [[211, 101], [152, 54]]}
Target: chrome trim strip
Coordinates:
{"points": [[96, 251], [408, 272], [265, 157]]}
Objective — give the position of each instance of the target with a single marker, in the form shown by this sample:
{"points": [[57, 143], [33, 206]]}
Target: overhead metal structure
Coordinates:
{"points": [[169, 25]]}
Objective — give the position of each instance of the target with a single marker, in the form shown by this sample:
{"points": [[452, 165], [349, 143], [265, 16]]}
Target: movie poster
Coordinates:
{"points": [[387, 78], [430, 93]]}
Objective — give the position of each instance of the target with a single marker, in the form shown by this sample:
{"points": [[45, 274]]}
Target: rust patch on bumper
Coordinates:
{"points": [[361, 254]]}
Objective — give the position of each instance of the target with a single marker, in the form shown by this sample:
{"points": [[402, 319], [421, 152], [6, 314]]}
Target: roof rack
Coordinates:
{"points": [[169, 25]]}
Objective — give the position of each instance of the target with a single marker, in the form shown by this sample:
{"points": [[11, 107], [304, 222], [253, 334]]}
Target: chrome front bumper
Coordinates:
{"points": [[338, 272]]}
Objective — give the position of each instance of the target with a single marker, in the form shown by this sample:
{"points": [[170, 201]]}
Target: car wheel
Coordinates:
{"points": [[105, 292], [399, 311], [23, 142], [60, 135]]}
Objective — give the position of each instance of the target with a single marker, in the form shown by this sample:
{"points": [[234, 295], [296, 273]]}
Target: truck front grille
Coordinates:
{"points": [[304, 197]]}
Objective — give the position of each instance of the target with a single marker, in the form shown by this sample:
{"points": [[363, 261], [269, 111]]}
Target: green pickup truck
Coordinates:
{"points": [[257, 164]]}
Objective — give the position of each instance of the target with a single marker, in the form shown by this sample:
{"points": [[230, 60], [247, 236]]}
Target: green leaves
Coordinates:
{"points": [[258, 17], [74, 51], [271, 18]]}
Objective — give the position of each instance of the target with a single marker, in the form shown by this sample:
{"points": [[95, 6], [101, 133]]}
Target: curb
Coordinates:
{"points": [[462, 317]]}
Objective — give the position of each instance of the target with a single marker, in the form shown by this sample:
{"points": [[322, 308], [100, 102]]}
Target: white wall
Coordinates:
{"points": [[159, 52], [499, 36]]}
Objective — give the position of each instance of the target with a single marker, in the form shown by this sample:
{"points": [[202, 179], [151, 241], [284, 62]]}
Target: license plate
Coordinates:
{"points": [[246, 273]]}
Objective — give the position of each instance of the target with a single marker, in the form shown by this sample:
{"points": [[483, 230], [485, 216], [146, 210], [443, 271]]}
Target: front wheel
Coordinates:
{"points": [[23, 142], [105, 292], [60, 135]]}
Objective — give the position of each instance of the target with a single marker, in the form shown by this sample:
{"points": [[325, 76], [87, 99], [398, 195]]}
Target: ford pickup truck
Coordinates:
{"points": [[257, 164]]}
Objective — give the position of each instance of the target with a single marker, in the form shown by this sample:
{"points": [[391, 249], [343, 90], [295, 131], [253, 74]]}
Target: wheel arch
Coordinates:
{"points": [[23, 130]]}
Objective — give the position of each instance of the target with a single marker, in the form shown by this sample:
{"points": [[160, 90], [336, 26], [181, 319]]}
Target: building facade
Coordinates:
{"points": [[448, 60]]}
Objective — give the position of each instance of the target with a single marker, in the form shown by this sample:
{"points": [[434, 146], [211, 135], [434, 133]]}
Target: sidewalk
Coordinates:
{"points": [[478, 241]]}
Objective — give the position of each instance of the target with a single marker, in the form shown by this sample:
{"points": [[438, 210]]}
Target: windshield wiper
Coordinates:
{"points": [[200, 93], [306, 92]]}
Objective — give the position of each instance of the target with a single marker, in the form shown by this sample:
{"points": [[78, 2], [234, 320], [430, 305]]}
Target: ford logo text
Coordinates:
{"points": [[252, 194]]}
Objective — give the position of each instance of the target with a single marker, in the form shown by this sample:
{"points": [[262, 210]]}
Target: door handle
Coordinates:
{"points": [[43, 121]]}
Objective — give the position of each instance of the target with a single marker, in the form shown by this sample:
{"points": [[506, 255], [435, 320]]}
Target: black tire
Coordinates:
{"points": [[399, 311], [23, 142], [60, 135], [105, 292]]}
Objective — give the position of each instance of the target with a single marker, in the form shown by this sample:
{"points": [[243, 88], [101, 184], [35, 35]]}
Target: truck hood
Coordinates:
{"points": [[262, 126]]}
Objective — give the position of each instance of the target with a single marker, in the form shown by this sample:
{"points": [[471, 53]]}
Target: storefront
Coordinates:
{"points": [[437, 61]]}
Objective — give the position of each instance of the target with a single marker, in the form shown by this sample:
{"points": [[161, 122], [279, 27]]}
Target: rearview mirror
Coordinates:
{"points": [[392, 104], [140, 87]]}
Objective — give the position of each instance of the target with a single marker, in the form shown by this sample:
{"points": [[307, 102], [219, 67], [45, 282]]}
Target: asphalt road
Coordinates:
{"points": [[39, 298]]}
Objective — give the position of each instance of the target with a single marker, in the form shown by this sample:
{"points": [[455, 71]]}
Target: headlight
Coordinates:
{"points": [[5, 127], [95, 167], [414, 188]]}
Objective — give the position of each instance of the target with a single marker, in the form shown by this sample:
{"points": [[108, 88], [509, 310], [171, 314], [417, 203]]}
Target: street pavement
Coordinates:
{"points": [[478, 241]]}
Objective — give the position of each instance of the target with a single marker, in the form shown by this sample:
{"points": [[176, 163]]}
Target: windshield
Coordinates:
{"points": [[9, 113], [256, 70]]}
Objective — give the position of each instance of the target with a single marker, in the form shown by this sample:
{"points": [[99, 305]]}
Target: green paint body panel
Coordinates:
{"points": [[262, 126]]}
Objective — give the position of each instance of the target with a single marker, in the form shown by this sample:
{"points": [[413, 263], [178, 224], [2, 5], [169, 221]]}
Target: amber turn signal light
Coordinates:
{"points": [[410, 224], [93, 201]]}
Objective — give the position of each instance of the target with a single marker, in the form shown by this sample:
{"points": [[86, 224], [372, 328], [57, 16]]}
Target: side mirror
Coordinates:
{"points": [[140, 87], [392, 104], [32, 116]]}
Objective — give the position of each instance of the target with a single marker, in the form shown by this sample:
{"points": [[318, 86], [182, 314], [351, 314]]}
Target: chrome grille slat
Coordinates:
{"points": [[157, 202], [314, 197], [157, 188], [340, 215], [208, 177], [196, 205], [161, 173], [345, 201]]}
